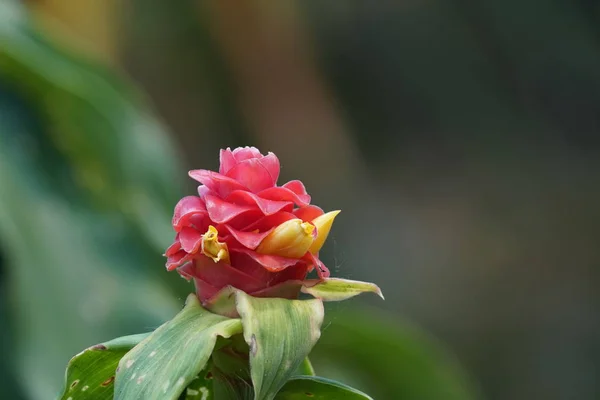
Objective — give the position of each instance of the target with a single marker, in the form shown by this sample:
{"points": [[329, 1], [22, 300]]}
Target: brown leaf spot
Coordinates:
{"points": [[108, 381], [309, 394], [75, 382], [209, 375], [253, 345], [99, 347]]}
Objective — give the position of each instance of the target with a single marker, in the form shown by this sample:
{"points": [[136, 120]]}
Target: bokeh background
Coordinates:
{"points": [[459, 137]]}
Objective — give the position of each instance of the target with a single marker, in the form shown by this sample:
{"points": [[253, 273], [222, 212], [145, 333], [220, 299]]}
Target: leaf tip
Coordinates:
{"points": [[378, 292]]}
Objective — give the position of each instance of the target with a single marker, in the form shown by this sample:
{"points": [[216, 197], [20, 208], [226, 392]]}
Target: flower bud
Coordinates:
{"points": [[291, 239], [323, 224], [211, 247]]}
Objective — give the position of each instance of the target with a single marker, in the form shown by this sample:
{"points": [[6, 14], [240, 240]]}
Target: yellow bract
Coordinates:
{"points": [[211, 247], [291, 239], [294, 238], [323, 225]]}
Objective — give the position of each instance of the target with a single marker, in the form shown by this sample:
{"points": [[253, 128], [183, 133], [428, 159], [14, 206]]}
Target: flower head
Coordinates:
{"points": [[243, 230]]}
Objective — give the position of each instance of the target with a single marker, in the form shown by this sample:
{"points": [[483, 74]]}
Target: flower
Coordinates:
{"points": [[243, 230]]}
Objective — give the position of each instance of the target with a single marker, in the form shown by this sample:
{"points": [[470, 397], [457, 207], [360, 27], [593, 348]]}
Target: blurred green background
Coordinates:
{"points": [[460, 139]]}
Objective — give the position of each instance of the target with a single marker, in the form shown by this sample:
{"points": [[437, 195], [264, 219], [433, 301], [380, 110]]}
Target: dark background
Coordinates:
{"points": [[460, 139]]}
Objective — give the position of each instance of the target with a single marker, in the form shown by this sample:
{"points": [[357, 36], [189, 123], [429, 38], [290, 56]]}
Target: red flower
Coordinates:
{"points": [[245, 231]]}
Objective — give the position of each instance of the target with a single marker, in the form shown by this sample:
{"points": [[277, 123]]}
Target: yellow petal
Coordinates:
{"points": [[290, 239], [323, 225], [211, 247]]}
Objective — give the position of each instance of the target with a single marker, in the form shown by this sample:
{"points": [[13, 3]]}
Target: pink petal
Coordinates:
{"points": [[308, 213], [221, 274], [199, 221], [190, 239], [250, 240], [295, 272], [253, 175], [269, 262], [268, 207], [220, 184], [221, 211], [185, 209], [177, 259], [271, 164], [285, 194], [245, 153], [269, 221], [204, 290], [227, 160], [246, 219], [203, 191], [174, 248], [296, 186], [248, 265], [187, 271]]}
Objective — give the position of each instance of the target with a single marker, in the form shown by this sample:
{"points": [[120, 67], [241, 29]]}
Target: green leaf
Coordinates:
{"points": [[280, 334], [165, 363], [335, 289], [91, 373], [305, 368], [317, 388]]}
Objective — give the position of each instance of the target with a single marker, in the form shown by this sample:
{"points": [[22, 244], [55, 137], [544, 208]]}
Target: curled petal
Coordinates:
{"points": [[199, 221], [177, 259], [220, 274], [227, 160], [174, 248], [185, 209], [269, 262], [250, 240], [230, 159], [271, 164], [245, 153], [308, 213], [245, 219], [190, 239], [248, 265], [296, 186], [220, 184], [203, 191], [285, 194], [267, 207], [256, 174], [222, 212], [269, 221]]}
